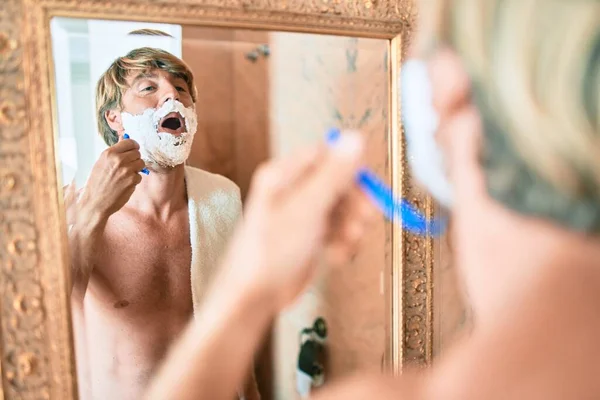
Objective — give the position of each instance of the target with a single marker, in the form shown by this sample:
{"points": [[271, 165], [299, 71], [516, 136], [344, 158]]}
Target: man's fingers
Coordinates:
{"points": [[451, 82], [137, 165], [335, 172], [125, 145], [130, 156], [293, 168], [275, 176], [463, 131], [349, 221], [355, 208]]}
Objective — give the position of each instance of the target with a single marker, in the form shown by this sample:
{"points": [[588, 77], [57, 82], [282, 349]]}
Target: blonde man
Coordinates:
{"points": [[515, 89], [147, 231]]}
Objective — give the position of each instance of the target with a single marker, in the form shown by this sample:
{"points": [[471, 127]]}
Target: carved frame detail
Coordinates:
{"points": [[37, 357]]}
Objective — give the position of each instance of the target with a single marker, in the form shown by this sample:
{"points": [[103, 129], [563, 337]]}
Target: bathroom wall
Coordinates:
{"points": [[232, 103], [318, 82]]}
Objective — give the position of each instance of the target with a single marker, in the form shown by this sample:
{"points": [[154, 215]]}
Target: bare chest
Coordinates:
{"points": [[144, 265]]}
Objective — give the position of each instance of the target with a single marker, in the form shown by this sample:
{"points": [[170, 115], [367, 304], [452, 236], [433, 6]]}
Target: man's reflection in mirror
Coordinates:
{"points": [[146, 231]]}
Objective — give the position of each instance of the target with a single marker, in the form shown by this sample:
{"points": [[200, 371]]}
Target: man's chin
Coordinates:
{"points": [[162, 166]]}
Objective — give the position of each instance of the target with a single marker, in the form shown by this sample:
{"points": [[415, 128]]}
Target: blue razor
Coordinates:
{"points": [[145, 170], [393, 209]]}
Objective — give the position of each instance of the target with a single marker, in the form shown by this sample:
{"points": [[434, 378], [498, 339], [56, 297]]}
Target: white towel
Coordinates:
{"points": [[214, 206]]}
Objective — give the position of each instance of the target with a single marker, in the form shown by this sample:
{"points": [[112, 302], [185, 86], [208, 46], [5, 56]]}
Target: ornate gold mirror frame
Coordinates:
{"points": [[36, 341]]}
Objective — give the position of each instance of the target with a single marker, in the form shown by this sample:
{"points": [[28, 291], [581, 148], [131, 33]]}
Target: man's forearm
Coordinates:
{"points": [[84, 236], [212, 358]]}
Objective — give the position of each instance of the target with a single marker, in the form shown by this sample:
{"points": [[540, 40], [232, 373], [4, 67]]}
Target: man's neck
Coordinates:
{"points": [[570, 249], [521, 257], [161, 193]]}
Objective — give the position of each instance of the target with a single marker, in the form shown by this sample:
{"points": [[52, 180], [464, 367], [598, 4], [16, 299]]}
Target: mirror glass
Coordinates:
{"points": [[146, 252]]}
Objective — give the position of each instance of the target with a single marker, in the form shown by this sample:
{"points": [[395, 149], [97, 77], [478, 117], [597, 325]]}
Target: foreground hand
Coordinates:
{"points": [[114, 177], [300, 208]]}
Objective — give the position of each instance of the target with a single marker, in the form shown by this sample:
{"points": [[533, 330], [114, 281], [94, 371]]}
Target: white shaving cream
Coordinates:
{"points": [[420, 126], [161, 148]]}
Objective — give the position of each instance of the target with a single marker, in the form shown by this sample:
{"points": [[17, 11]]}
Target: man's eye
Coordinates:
{"points": [[180, 89], [148, 88]]}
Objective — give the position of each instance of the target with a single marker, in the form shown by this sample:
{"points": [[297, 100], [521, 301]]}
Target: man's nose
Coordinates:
{"points": [[169, 93]]}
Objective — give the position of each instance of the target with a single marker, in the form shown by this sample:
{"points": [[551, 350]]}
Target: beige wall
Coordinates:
{"points": [[318, 82], [233, 101], [251, 111]]}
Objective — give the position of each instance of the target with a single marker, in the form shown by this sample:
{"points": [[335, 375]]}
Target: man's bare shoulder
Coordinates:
{"points": [[541, 346]]}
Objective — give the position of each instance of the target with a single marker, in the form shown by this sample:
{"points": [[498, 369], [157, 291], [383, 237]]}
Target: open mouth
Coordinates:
{"points": [[172, 123]]}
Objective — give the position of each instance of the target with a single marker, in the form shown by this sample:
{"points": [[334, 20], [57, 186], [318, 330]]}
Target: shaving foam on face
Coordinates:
{"points": [[420, 125], [162, 148]]}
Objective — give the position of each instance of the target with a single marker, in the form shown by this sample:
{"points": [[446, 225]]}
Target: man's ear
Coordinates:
{"points": [[113, 119]]}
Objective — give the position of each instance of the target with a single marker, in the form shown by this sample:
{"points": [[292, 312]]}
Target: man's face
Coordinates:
{"points": [[157, 112], [152, 90]]}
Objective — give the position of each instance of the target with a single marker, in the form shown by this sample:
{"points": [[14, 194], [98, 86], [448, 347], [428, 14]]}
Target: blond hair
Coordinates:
{"points": [[149, 32], [113, 83], [535, 67]]}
